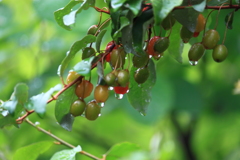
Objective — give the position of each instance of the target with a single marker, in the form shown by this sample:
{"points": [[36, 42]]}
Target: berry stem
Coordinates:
{"points": [[60, 140], [226, 28], [206, 22], [218, 16]]}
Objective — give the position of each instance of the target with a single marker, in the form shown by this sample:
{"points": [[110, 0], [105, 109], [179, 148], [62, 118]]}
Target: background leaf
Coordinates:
{"points": [[31, 152], [143, 91]]}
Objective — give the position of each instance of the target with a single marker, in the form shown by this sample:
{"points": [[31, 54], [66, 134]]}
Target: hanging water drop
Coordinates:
{"points": [[193, 63], [118, 96], [102, 104], [110, 88]]}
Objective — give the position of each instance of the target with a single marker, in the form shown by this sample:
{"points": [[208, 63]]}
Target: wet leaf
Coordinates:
{"points": [[67, 154], [84, 67], [200, 7]]}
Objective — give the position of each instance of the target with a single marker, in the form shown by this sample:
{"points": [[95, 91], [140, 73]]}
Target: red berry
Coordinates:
{"points": [[195, 34], [150, 46], [120, 90]]}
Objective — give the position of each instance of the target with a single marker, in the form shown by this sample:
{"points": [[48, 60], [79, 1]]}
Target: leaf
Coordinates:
{"points": [[139, 96], [200, 7], [123, 23], [38, 103], [121, 150], [66, 17], [67, 154], [73, 50], [31, 152], [176, 44], [84, 67], [134, 6], [116, 4], [229, 20], [162, 8], [6, 120], [187, 17], [62, 108], [216, 2], [99, 39]]}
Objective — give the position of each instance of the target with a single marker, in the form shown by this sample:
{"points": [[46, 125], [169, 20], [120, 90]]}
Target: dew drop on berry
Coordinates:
{"points": [[193, 63], [118, 96], [110, 88], [102, 104]]}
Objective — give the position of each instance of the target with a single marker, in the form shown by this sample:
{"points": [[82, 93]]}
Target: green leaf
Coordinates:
{"points": [[62, 108], [99, 39], [6, 119], [116, 4], [121, 150], [123, 23], [216, 2], [161, 8], [200, 7], [67, 154], [229, 20], [105, 24], [176, 44], [143, 91], [38, 103], [187, 17], [59, 14], [84, 67], [134, 6], [73, 50], [31, 152]]}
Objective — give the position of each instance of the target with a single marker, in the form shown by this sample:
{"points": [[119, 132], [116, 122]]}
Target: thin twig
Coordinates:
{"points": [[60, 140]]}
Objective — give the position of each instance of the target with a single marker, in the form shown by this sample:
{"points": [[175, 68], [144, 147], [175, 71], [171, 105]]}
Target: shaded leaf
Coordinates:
{"points": [[73, 50], [67, 154], [6, 120], [176, 44], [99, 39], [38, 103], [121, 150], [216, 2], [143, 91], [31, 152], [123, 23], [229, 20], [62, 108], [162, 8], [84, 67], [200, 7]]}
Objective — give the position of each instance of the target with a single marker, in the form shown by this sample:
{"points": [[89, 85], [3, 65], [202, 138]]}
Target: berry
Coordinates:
{"points": [[84, 89], [196, 52], [92, 30], [108, 47], [210, 39], [140, 61], [77, 108], [141, 75], [168, 22], [200, 23], [150, 46], [92, 111], [195, 34], [161, 44], [88, 52], [220, 53], [123, 77], [101, 93], [110, 79], [185, 34], [72, 75], [120, 90], [117, 58]]}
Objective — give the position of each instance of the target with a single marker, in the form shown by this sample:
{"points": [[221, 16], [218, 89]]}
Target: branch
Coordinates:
{"points": [[62, 141]]}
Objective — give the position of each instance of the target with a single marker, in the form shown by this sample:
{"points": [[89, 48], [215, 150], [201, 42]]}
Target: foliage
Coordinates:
{"points": [[178, 101]]}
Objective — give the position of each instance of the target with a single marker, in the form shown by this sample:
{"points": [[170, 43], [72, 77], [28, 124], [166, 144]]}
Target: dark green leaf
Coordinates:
{"points": [[187, 17], [67, 154], [143, 91], [123, 23], [105, 24], [200, 7], [121, 150], [84, 67], [38, 103], [176, 44], [229, 20], [73, 50], [99, 39], [216, 2], [134, 6], [31, 152], [62, 108], [162, 8], [116, 4]]}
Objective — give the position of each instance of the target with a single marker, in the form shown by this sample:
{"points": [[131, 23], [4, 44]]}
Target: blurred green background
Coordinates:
{"points": [[188, 102]]}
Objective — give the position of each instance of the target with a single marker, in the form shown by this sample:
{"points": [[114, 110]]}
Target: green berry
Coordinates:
{"points": [[92, 111], [92, 30], [140, 61], [161, 44], [196, 52], [220, 53], [210, 39], [110, 79], [77, 108], [141, 75], [123, 77], [117, 58]]}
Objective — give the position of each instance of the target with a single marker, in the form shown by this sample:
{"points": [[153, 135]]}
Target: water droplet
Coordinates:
{"points": [[193, 63], [102, 104], [139, 85], [99, 114], [110, 88], [118, 96], [37, 123], [142, 114]]}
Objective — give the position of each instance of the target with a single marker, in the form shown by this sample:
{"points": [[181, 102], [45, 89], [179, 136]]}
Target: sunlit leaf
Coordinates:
{"points": [[73, 50], [176, 44], [31, 152], [38, 103], [67, 154], [121, 150], [162, 8], [143, 91], [229, 20], [134, 6], [84, 67], [99, 39], [200, 7], [62, 108], [116, 4]]}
